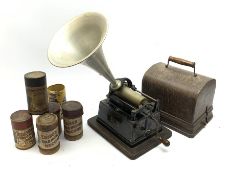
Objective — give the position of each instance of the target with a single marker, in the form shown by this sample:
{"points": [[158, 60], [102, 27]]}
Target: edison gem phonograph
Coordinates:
{"points": [[127, 118]]}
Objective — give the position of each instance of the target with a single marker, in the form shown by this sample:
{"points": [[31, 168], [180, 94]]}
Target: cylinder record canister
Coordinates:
{"points": [[23, 129], [56, 93], [48, 135], [72, 116], [55, 108], [36, 90]]}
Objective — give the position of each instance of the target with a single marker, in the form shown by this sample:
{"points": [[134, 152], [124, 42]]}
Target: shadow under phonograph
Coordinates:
{"points": [[127, 118]]}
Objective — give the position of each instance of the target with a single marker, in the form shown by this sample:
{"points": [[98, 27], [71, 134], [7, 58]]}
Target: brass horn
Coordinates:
{"points": [[80, 41]]}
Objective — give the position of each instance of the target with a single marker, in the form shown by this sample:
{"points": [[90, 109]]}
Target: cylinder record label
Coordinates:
{"points": [[24, 138], [73, 127], [49, 139]]}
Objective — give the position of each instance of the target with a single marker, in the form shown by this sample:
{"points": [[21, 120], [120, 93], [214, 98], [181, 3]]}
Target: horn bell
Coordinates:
{"points": [[80, 41]]}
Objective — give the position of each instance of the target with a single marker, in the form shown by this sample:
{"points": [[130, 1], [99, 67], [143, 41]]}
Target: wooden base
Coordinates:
{"points": [[130, 152]]}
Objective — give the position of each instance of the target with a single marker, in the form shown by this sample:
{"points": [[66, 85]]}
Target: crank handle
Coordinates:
{"points": [[165, 142]]}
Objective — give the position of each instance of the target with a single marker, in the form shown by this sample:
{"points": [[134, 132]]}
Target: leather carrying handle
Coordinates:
{"points": [[182, 62]]}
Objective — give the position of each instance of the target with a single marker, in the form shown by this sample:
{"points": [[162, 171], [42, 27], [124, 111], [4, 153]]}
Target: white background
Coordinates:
{"points": [[141, 33]]}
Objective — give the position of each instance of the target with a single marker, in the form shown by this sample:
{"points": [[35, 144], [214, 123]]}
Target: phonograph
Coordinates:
{"points": [[127, 118]]}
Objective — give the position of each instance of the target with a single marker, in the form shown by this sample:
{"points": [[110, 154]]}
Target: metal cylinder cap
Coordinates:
{"points": [[54, 107], [72, 109], [56, 88], [21, 119], [47, 122], [35, 79]]}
